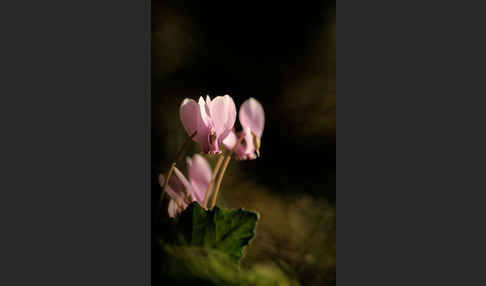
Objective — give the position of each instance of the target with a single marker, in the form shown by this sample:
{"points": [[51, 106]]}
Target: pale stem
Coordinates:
{"points": [[172, 166], [220, 179], [213, 177], [221, 174]]}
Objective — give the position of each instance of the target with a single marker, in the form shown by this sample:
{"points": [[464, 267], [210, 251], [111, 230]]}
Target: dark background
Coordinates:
{"points": [[284, 56]]}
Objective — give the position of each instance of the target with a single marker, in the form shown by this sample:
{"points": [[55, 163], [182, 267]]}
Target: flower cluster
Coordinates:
{"points": [[210, 123], [212, 120]]}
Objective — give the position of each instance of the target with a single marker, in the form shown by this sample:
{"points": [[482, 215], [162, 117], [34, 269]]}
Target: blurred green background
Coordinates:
{"points": [[284, 56]]}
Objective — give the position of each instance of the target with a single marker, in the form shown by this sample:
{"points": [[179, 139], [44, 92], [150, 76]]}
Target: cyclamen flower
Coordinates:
{"points": [[183, 192], [213, 120], [252, 119]]}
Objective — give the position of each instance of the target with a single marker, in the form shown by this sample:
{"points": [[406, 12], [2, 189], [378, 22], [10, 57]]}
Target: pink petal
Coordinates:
{"points": [[199, 174], [223, 114], [252, 116], [248, 142], [190, 115], [202, 137], [194, 118], [203, 125], [181, 181], [246, 150], [203, 110], [230, 140]]}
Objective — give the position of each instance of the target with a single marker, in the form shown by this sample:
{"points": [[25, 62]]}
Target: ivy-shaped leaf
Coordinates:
{"points": [[223, 229]]}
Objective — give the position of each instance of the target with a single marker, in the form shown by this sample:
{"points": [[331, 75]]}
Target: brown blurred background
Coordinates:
{"points": [[284, 56]]}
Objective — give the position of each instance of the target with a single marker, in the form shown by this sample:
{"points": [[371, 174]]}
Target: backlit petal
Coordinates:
{"points": [[203, 109], [223, 114], [252, 116]]}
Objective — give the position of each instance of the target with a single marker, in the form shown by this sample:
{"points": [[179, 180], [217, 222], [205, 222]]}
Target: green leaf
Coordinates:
{"points": [[223, 229]]}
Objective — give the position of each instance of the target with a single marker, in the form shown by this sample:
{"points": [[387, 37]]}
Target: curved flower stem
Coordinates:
{"points": [[213, 177], [172, 166], [221, 174]]}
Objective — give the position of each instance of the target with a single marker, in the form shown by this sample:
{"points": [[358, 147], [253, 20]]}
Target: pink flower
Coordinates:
{"points": [[213, 120], [181, 191], [252, 119]]}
